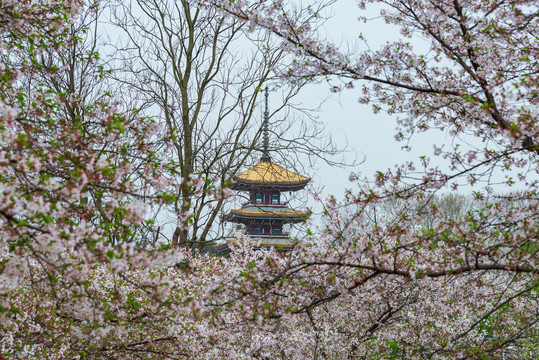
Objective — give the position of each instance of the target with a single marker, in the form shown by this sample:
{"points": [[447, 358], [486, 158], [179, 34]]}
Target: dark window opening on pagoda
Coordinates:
{"points": [[257, 231], [276, 231]]}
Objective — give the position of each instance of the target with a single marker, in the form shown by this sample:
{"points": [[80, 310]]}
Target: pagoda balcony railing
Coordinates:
{"points": [[244, 204], [269, 235]]}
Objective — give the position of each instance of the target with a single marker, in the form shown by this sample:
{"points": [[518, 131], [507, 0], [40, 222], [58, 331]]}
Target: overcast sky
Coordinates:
{"points": [[370, 136]]}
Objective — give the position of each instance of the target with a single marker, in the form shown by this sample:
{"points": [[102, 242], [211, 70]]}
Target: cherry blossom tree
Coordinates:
{"points": [[77, 75], [464, 285], [56, 240], [477, 79]]}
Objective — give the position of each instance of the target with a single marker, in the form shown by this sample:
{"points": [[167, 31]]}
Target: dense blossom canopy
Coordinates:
{"points": [[410, 282]]}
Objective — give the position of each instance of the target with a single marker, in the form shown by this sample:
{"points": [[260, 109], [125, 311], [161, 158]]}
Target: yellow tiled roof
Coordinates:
{"points": [[270, 173]]}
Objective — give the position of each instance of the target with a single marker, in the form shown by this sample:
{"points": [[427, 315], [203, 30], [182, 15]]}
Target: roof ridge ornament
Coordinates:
{"points": [[265, 145]]}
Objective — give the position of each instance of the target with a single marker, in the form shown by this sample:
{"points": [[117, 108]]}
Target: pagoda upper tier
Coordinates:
{"points": [[269, 175]]}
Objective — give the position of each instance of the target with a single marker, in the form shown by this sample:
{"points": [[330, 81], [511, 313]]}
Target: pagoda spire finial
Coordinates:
{"points": [[265, 152]]}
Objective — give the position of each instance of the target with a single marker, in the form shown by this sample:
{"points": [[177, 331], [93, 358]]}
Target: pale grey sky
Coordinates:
{"points": [[370, 136]]}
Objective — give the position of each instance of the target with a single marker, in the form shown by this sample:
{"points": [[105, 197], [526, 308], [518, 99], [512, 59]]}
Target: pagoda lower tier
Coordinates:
{"points": [[280, 242], [264, 223], [275, 214]]}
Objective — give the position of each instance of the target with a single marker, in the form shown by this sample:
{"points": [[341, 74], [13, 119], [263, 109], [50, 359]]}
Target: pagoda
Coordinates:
{"points": [[265, 213]]}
